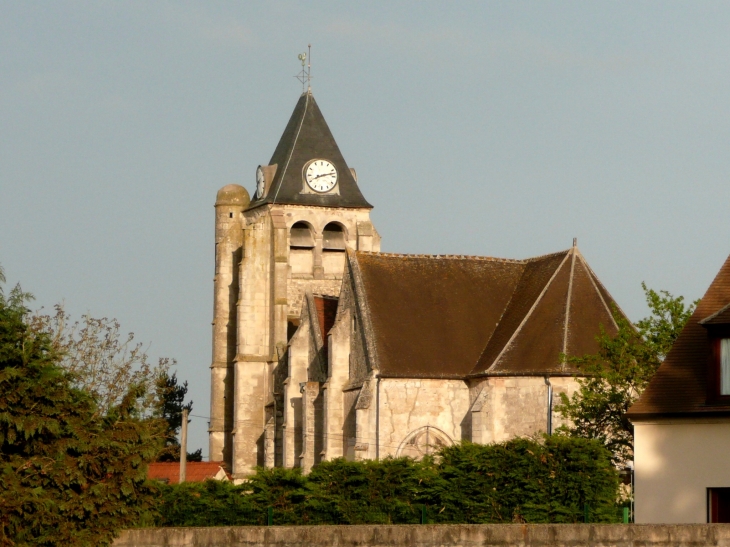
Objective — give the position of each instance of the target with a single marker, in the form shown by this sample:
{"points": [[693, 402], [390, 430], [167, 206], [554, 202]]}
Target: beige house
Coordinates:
{"points": [[323, 347], [682, 421]]}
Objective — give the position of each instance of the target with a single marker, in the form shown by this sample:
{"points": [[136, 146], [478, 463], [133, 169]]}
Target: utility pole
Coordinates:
{"points": [[184, 445]]}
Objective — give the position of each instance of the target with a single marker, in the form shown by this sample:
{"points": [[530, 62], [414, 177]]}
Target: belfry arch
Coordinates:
{"points": [[301, 248], [334, 244]]}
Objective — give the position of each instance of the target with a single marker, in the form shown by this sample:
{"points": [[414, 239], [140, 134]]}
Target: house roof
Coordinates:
{"points": [[169, 472], [456, 316], [679, 386], [307, 136], [720, 317]]}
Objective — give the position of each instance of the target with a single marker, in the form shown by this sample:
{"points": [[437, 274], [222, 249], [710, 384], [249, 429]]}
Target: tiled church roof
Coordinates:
{"points": [[307, 137], [680, 385], [455, 316]]}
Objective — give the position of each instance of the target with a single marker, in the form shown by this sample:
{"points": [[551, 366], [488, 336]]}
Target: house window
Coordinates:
{"points": [[718, 505], [725, 366]]}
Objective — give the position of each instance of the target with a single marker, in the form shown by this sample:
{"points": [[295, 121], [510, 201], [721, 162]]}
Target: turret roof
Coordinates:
{"points": [[306, 137]]}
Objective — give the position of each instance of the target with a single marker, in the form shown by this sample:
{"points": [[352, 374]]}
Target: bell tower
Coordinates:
{"points": [[290, 239]]}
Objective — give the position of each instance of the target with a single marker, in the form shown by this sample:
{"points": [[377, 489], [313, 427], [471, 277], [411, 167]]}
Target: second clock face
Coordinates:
{"points": [[321, 175], [260, 182]]}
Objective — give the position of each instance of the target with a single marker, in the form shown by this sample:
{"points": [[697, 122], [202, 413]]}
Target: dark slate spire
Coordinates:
{"points": [[305, 138]]}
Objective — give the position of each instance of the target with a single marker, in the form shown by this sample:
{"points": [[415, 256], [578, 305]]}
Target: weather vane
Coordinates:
{"points": [[305, 75]]}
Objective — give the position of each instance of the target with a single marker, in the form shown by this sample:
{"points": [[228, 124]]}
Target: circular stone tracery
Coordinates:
{"points": [[423, 442]]}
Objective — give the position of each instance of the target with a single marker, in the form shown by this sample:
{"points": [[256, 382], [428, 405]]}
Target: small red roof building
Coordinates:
{"points": [[169, 472]]}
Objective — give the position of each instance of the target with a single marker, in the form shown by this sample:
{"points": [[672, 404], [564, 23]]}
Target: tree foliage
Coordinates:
{"points": [[523, 480], [101, 360], [69, 474], [619, 373], [169, 405]]}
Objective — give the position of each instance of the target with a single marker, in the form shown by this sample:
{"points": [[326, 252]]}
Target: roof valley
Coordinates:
{"points": [[504, 311]]}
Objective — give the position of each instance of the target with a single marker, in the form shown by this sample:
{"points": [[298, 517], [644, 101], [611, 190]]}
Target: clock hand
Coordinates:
{"points": [[324, 175]]}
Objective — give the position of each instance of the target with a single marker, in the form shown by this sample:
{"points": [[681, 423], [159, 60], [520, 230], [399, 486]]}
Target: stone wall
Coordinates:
{"points": [[514, 406], [408, 406], [472, 535]]}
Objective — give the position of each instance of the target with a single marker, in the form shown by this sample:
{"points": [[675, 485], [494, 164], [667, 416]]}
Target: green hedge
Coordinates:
{"points": [[517, 481]]}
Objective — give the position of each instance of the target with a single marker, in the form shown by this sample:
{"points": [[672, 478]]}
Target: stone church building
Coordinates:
{"points": [[324, 347]]}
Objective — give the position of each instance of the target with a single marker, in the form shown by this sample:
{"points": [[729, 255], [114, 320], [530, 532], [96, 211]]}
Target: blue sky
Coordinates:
{"points": [[487, 128]]}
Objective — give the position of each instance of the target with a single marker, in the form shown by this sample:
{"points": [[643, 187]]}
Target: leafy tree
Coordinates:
{"points": [[102, 360], [619, 373], [169, 406], [69, 474]]}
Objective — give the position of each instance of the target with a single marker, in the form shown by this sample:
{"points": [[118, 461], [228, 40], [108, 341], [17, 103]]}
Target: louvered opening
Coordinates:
{"points": [[333, 237], [301, 236]]}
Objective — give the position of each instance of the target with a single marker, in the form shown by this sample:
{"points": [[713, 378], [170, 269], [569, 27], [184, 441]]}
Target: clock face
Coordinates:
{"points": [[259, 182], [321, 175]]}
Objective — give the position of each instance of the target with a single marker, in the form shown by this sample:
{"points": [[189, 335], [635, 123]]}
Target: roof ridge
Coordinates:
{"points": [[362, 307], [529, 312], [566, 320], [548, 255], [466, 257], [293, 146], [444, 257], [595, 282]]}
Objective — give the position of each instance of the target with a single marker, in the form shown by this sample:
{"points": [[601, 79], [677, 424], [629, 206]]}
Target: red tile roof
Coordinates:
{"points": [[169, 472], [680, 385], [326, 307]]}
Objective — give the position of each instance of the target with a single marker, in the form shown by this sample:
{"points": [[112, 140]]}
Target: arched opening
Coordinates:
{"points": [[301, 248], [423, 442], [334, 244], [333, 237]]}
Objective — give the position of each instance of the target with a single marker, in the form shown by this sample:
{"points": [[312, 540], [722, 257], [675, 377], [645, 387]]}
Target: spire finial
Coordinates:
{"points": [[305, 75], [575, 242]]}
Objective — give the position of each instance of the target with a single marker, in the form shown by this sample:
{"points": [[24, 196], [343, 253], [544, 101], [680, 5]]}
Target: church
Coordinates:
{"points": [[324, 347]]}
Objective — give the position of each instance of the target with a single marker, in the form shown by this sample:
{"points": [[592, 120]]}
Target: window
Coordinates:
{"points": [[725, 366], [718, 505], [718, 377]]}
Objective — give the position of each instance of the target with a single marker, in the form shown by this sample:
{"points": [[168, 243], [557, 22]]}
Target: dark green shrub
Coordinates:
{"points": [[389, 491], [526, 481], [517, 481], [211, 503]]}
